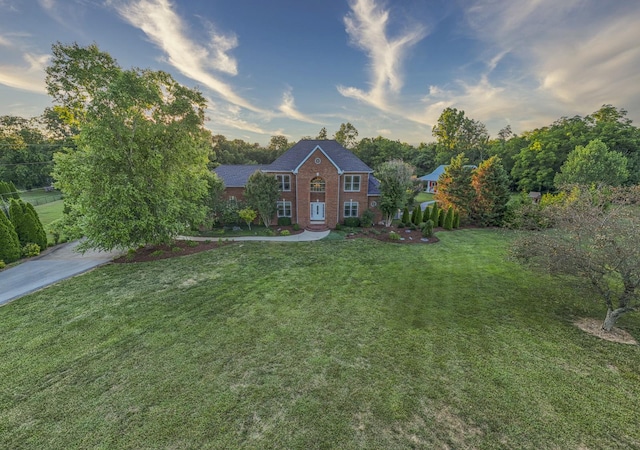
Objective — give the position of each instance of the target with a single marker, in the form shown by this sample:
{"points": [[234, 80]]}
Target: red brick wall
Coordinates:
{"points": [[327, 171]]}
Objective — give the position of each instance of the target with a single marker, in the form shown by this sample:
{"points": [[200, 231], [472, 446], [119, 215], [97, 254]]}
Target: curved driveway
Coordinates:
{"points": [[57, 264], [63, 262]]}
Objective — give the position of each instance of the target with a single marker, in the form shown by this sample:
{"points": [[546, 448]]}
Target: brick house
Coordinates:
{"points": [[321, 182]]}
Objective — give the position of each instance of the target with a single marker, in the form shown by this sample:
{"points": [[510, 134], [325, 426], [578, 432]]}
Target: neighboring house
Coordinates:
{"points": [[321, 182], [430, 180]]}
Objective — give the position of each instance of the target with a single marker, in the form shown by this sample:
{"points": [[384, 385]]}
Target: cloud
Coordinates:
{"points": [[158, 20], [29, 77], [366, 26], [288, 108]]}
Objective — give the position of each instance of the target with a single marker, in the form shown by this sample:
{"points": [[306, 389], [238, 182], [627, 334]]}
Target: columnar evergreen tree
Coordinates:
{"points": [[417, 215], [491, 184], [406, 218], [426, 214], [441, 216], [27, 224], [448, 219], [9, 242], [435, 213], [456, 219]]}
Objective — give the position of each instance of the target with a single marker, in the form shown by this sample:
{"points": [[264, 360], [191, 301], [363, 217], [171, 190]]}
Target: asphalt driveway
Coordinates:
{"points": [[57, 264]]}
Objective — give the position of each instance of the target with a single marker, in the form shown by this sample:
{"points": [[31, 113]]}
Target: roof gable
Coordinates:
{"points": [[236, 175], [340, 157]]}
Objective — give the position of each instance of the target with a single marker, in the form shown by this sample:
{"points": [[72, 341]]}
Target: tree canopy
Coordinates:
{"points": [[395, 187], [593, 164], [139, 172], [261, 193]]}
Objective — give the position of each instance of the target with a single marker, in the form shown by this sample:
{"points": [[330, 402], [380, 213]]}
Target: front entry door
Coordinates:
{"points": [[317, 210]]}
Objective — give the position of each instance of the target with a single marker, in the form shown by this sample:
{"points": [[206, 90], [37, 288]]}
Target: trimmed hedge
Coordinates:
{"points": [[284, 221], [353, 222]]}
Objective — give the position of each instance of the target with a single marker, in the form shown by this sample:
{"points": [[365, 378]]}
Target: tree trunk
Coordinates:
{"points": [[612, 316]]}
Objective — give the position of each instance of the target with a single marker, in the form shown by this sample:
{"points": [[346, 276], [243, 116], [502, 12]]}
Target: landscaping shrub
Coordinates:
{"points": [[338, 227], [448, 220], [456, 219], [27, 224], [427, 230], [284, 221], [426, 214], [269, 232], [394, 236], [366, 220], [352, 222], [435, 213], [441, 215], [406, 218], [412, 226], [296, 227], [9, 243], [401, 225], [2, 264], [30, 249], [285, 233], [417, 215]]}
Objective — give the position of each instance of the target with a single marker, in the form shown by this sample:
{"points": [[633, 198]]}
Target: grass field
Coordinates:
{"points": [[423, 197], [40, 196], [49, 212], [338, 344]]}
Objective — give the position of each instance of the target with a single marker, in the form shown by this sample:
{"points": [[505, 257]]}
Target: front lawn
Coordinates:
{"points": [[329, 344]]}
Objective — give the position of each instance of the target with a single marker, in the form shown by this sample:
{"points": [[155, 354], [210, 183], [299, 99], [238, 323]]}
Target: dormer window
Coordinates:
{"points": [[317, 185]]}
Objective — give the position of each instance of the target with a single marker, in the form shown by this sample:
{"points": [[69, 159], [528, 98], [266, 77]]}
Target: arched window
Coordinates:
{"points": [[317, 185]]}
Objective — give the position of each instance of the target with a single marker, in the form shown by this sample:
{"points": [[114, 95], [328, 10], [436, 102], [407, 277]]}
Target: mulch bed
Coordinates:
{"points": [[407, 236], [181, 248]]}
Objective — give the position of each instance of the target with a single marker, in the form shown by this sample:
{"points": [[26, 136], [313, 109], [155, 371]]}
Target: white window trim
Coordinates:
{"points": [[350, 203], [283, 203], [351, 189], [281, 181]]}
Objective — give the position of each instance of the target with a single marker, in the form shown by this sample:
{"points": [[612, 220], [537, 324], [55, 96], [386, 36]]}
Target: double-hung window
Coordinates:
{"points": [[352, 183], [284, 209], [351, 209], [284, 181]]}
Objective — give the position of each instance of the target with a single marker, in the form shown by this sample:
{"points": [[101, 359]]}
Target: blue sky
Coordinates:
{"points": [[389, 67]]}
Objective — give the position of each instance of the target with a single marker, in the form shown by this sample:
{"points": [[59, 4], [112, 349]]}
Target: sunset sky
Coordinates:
{"points": [[389, 67]]}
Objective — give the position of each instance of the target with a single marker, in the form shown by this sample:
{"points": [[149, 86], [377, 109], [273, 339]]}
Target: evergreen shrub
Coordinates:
{"points": [[352, 222], [427, 230], [284, 221]]}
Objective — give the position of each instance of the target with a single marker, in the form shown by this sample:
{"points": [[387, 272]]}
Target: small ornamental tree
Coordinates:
{"points": [[406, 219], [248, 215], [427, 230], [595, 240], [395, 187], [448, 219], [9, 242], [262, 193]]}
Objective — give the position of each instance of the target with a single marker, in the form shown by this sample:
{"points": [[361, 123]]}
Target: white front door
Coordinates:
{"points": [[317, 210]]}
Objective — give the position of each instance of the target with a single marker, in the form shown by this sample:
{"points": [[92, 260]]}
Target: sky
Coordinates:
{"points": [[388, 67]]}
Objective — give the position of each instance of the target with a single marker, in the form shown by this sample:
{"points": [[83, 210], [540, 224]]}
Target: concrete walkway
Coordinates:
{"points": [[54, 265], [424, 205], [302, 237]]}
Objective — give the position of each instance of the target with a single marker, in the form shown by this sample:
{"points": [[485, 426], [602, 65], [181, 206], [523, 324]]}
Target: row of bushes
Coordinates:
{"points": [[21, 232]]}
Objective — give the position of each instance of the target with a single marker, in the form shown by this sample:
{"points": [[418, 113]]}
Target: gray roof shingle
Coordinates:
{"points": [[374, 186], [236, 175], [343, 158]]}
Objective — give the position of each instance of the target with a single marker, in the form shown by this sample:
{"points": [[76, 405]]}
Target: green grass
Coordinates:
{"points": [[40, 197], [49, 212], [423, 197], [330, 344]]}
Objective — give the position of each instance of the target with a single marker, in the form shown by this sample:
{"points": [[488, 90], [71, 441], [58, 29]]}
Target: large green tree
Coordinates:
{"points": [[395, 187], [593, 164], [456, 133], [139, 173], [261, 193], [347, 135]]}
